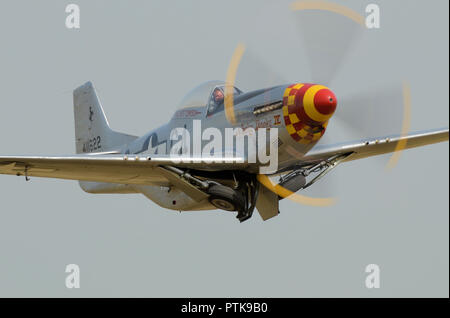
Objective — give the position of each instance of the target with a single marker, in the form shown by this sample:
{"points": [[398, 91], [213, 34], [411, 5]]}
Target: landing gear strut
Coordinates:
{"points": [[296, 180], [249, 189]]}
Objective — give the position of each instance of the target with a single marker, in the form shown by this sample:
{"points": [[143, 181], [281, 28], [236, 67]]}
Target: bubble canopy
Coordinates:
{"points": [[201, 95]]}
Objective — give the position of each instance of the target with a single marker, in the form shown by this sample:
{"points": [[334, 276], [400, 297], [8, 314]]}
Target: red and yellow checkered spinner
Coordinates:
{"points": [[306, 111]]}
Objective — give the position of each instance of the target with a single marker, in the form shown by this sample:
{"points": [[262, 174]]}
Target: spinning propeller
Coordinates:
{"points": [[328, 34]]}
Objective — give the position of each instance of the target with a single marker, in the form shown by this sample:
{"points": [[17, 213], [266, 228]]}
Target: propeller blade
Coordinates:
{"points": [[328, 39], [254, 73], [375, 112]]}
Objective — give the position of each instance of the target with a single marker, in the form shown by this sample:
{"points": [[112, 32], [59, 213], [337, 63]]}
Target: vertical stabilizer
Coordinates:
{"points": [[92, 131]]}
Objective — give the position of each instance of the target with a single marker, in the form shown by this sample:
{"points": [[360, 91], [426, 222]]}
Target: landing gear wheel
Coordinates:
{"points": [[225, 198]]}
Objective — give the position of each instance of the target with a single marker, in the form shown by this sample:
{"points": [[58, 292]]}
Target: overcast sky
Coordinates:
{"points": [[143, 57]]}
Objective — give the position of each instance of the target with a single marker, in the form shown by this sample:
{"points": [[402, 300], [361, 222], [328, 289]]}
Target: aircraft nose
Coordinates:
{"points": [[319, 104], [306, 111], [325, 102]]}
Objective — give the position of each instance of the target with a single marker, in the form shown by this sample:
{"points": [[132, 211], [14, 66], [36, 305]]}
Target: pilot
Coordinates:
{"points": [[217, 100], [218, 96]]}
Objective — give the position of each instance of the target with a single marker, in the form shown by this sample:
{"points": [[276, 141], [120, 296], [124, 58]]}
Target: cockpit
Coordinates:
{"points": [[207, 98], [217, 99]]}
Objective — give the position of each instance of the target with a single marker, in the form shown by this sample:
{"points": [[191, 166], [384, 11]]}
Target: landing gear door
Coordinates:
{"points": [[267, 203]]}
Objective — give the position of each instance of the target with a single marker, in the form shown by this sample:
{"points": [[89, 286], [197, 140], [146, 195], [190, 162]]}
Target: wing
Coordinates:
{"points": [[125, 169], [376, 146], [139, 169]]}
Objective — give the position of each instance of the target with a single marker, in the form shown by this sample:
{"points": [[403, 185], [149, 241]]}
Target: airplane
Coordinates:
{"points": [[107, 161]]}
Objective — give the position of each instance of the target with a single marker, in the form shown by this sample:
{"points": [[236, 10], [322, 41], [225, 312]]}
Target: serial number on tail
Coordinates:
{"points": [[92, 145]]}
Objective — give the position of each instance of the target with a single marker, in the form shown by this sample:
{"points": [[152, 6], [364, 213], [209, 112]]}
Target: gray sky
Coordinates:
{"points": [[143, 57]]}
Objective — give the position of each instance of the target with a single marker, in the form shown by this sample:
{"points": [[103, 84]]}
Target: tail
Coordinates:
{"points": [[92, 131]]}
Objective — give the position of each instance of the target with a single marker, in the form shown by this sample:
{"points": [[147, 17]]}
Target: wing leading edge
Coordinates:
{"points": [[377, 146]]}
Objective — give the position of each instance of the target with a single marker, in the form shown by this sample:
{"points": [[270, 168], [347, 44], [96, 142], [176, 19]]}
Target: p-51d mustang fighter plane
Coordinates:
{"points": [[111, 162]]}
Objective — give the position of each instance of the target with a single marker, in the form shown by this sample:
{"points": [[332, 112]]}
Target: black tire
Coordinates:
{"points": [[225, 198]]}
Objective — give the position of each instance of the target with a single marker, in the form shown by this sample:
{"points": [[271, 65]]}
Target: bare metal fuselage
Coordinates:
{"points": [[250, 112]]}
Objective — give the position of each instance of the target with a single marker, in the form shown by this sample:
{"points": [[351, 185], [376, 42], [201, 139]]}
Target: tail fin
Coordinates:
{"points": [[92, 131]]}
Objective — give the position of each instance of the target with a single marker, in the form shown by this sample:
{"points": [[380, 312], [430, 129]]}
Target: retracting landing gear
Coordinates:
{"points": [[241, 199], [225, 198], [296, 180], [250, 189]]}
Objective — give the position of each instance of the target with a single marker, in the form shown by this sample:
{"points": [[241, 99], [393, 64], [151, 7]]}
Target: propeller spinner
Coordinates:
{"points": [[306, 111]]}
